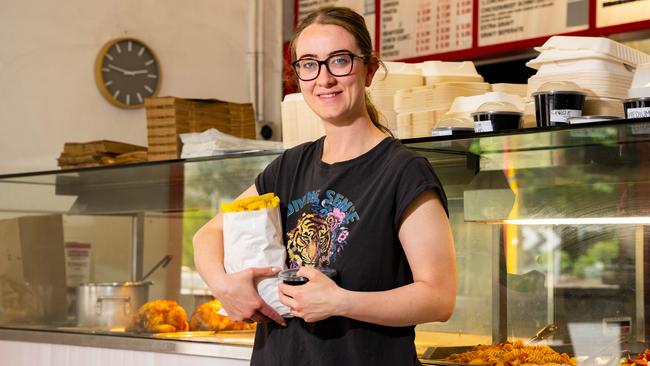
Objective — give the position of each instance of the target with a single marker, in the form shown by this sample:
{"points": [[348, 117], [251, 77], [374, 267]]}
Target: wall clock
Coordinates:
{"points": [[126, 72]]}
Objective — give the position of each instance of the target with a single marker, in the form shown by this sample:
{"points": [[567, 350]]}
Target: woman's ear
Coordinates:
{"points": [[372, 66]]}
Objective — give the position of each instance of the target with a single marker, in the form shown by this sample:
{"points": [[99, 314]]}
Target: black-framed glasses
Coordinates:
{"points": [[340, 64]]}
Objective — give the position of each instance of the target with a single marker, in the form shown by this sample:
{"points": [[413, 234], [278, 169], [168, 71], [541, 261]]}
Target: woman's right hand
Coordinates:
{"points": [[238, 295]]}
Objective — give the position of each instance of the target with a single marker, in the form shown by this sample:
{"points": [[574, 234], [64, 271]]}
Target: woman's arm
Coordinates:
{"points": [[429, 247], [236, 291]]}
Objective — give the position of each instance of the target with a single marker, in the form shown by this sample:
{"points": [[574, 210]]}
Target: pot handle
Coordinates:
{"points": [[101, 299]]}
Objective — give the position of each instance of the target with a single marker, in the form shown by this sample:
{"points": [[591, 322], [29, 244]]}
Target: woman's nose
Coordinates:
{"points": [[325, 79]]}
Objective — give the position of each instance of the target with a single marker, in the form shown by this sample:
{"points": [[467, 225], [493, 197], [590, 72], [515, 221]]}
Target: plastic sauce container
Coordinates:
{"points": [[290, 276], [496, 117], [556, 102], [637, 107]]}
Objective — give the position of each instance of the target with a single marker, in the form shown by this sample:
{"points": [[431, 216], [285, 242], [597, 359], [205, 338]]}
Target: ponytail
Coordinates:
{"points": [[375, 116]]}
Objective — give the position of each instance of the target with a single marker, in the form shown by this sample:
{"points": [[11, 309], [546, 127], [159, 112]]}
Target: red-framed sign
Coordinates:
{"points": [[420, 30]]}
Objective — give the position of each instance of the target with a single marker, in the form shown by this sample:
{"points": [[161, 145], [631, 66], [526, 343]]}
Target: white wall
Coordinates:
{"points": [[48, 94]]}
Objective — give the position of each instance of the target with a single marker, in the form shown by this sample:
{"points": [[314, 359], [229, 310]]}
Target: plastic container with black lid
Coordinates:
{"points": [[290, 276], [496, 117], [637, 107], [557, 101]]}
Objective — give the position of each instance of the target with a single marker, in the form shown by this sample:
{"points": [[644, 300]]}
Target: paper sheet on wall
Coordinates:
{"points": [[503, 21], [615, 12], [424, 27]]}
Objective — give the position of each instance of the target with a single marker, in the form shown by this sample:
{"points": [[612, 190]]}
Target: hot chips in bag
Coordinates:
{"points": [[252, 234]]}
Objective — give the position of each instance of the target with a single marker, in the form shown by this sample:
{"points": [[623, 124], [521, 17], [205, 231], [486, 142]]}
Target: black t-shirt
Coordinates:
{"points": [[346, 216]]}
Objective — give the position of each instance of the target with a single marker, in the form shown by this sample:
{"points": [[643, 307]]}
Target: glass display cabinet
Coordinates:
{"points": [[551, 229]]}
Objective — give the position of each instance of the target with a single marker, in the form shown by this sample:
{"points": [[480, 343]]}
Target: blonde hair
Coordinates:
{"points": [[354, 23]]}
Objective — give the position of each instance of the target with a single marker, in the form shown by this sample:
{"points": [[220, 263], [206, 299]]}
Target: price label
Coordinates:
{"points": [[483, 126], [563, 115], [643, 112]]}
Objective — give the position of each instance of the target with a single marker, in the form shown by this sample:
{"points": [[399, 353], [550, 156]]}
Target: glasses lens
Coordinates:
{"points": [[340, 65], [306, 68]]}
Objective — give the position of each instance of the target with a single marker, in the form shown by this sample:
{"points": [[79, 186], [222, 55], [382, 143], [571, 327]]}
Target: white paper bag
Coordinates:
{"points": [[254, 239]]}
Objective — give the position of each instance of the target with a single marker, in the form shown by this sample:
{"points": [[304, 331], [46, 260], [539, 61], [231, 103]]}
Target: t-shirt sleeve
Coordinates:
{"points": [[266, 180], [417, 177]]}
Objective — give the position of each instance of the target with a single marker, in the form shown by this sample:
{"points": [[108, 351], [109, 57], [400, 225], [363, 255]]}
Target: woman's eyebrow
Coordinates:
{"points": [[311, 55], [340, 51]]}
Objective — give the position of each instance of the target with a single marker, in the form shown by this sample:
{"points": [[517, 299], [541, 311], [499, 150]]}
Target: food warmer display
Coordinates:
{"points": [[551, 228]]}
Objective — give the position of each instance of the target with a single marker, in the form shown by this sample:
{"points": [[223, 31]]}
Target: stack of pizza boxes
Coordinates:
{"points": [[168, 117]]}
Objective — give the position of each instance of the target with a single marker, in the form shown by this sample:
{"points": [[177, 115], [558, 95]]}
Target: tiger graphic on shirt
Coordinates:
{"points": [[321, 229]]}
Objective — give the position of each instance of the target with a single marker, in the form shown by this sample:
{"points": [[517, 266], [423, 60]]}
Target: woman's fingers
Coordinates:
{"points": [[268, 314], [258, 272]]}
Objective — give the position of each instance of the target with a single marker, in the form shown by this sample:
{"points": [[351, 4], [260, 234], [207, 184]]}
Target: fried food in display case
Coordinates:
{"points": [[206, 317], [160, 316]]}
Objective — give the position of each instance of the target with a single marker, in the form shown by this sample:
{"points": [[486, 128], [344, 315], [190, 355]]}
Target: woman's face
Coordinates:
{"points": [[334, 98]]}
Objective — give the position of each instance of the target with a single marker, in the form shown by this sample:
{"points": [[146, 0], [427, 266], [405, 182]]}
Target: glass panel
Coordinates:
{"points": [[568, 209], [62, 228], [551, 226]]}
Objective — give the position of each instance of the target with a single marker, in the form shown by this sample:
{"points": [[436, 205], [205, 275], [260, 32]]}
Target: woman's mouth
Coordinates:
{"points": [[328, 95]]}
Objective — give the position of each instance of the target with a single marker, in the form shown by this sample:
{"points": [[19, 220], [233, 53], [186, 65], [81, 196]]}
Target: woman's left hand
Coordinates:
{"points": [[318, 299]]}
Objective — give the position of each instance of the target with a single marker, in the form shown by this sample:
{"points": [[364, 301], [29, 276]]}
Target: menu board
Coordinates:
{"points": [[502, 21], [615, 12], [412, 28]]}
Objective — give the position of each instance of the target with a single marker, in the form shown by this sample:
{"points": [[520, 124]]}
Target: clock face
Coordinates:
{"points": [[127, 71]]}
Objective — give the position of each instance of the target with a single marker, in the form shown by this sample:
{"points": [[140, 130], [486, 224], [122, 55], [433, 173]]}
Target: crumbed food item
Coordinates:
{"points": [[206, 317], [160, 316], [512, 354]]}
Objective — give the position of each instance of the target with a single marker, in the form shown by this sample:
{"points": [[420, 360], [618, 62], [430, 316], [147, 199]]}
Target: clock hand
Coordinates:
{"points": [[125, 72], [138, 72]]}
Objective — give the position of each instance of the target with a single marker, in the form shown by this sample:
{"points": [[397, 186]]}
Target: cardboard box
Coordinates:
{"points": [[168, 117], [32, 269]]}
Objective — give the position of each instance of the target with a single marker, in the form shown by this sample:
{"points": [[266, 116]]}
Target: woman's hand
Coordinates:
{"points": [[318, 299], [238, 295]]}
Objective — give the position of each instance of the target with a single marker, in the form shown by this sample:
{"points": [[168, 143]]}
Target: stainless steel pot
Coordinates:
{"points": [[110, 304]]}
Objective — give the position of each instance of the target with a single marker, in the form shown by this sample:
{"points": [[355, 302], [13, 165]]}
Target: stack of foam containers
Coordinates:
{"points": [[603, 68], [385, 83], [420, 109], [299, 123]]}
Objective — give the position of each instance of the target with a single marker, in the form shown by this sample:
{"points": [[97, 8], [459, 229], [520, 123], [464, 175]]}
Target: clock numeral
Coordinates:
{"points": [[148, 88], [148, 63], [128, 99], [130, 46], [139, 97], [108, 83], [105, 69], [108, 56], [141, 51], [152, 76], [117, 92], [118, 48]]}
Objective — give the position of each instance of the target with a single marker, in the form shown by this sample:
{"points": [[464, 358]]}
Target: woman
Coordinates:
{"points": [[355, 200]]}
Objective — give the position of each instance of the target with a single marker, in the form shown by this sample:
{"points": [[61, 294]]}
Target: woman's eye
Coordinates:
{"points": [[340, 60], [308, 64]]}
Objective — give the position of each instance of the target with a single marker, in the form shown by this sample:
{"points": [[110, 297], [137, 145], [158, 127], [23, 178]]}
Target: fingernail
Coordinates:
{"points": [[275, 269]]}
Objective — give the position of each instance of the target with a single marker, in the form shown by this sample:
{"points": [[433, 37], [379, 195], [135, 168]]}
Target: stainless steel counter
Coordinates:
{"points": [[129, 342]]}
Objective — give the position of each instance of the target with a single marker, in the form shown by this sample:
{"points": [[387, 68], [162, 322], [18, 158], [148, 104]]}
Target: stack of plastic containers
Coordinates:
{"points": [[419, 109], [384, 86], [299, 123], [602, 68]]}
